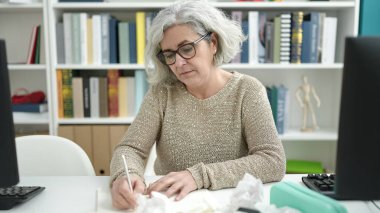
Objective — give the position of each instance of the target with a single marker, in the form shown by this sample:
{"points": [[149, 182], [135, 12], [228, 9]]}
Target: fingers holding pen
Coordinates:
{"points": [[122, 196]]}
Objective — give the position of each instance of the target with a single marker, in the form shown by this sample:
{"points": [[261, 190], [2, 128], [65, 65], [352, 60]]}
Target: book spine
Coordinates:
{"points": [[67, 37], [77, 83], [96, 39], [329, 40], [60, 43], [122, 95], [140, 88], [86, 96], [113, 105], [124, 43], [94, 97], [83, 38], [285, 37], [105, 38], [132, 43], [59, 95], [76, 47], [38, 46], [89, 48], [140, 36], [113, 33], [296, 41], [103, 97], [40, 107], [253, 36], [67, 93], [244, 55]]}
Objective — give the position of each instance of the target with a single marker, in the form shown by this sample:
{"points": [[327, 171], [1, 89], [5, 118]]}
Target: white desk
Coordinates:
{"points": [[78, 194]]}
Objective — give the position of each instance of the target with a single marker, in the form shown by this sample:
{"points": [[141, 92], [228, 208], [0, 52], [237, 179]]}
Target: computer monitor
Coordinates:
{"points": [[8, 159], [358, 149]]}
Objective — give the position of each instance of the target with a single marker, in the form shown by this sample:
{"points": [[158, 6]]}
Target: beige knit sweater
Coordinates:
{"points": [[218, 139]]}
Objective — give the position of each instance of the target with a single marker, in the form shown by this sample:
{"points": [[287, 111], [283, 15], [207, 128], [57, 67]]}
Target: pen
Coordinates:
{"points": [[127, 172]]}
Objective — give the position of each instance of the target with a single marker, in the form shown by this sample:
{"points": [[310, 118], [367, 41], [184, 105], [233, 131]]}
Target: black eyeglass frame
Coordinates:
{"points": [[161, 57]]}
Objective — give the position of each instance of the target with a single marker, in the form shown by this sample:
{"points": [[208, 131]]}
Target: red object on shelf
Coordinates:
{"points": [[33, 97]]}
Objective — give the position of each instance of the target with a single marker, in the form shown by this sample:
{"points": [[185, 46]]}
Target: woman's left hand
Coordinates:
{"points": [[180, 183]]}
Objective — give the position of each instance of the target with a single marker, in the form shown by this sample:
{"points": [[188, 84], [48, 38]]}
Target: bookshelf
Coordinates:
{"points": [[326, 78], [16, 23]]}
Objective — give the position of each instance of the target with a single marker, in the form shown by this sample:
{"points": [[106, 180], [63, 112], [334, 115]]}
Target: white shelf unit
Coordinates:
{"points": [[16, 23], [325, 78]]}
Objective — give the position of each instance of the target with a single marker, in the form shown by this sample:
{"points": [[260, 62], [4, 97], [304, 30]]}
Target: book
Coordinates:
{"points": [[67, 37], [244, 55], [103, 97], [124, 57], [67, 93], [269, 41], [83, 38], [122, 95], [132, 43], [276, 39], [86, 93], [311, 37], [105, 48], [32, 45], [140, 88], [113, 100], [96, 40], [140, 37], [60, 43], [59, 93], [285, 37], [329, 40], [30, 107], [94, 97], [76, 46], [89, 40], [282, 102], [78, 108], [296, 41], [114, 41], [38, 46]]}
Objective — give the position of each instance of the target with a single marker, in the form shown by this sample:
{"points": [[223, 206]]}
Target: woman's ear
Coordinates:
{"points": [[214, 42]]}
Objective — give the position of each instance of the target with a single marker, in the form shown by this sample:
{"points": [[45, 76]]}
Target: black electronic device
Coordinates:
{"points": [[358, 160], [10, 194]]}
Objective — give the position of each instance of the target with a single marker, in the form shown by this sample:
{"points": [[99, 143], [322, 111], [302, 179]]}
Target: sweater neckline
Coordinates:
{"points": [[219, 94]]}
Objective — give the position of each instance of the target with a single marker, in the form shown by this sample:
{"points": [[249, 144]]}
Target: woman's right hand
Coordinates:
{"points": [[122, 197]]}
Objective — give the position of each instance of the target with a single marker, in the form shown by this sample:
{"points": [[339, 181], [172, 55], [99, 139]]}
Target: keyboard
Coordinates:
{"points": [[322, 183], [11, 196]]}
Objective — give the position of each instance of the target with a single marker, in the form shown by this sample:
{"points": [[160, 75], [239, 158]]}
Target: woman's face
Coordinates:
{"points": [[195, 71]]}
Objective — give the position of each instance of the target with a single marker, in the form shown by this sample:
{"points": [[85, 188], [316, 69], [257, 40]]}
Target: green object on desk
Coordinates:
{"points": [[303, 167], [300, 197]]}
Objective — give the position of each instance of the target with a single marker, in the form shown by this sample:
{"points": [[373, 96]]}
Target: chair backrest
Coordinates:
{"points": [[149, 168], [47, 155]]}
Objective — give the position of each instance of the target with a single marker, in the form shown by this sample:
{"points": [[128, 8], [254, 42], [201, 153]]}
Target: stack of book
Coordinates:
{"points": [[30, 107]]}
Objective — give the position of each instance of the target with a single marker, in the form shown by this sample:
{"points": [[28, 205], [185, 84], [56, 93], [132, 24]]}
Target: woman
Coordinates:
{"points": [[210, 126]]}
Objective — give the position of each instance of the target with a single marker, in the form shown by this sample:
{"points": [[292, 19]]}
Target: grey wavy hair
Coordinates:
{"points": [[202, 17]]}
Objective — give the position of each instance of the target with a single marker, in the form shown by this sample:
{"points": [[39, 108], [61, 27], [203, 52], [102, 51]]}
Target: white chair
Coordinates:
{"points": [[149, 168], [47, 155]]}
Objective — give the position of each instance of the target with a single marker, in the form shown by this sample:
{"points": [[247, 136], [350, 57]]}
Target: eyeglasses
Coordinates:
{"points": [[186, 51]]}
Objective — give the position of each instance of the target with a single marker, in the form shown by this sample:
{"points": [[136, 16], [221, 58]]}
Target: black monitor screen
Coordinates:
{"points": [[358, 151], [8, 160]]}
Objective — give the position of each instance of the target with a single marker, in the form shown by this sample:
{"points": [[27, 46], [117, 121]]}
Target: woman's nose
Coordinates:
{"points": [[179, 60]]}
